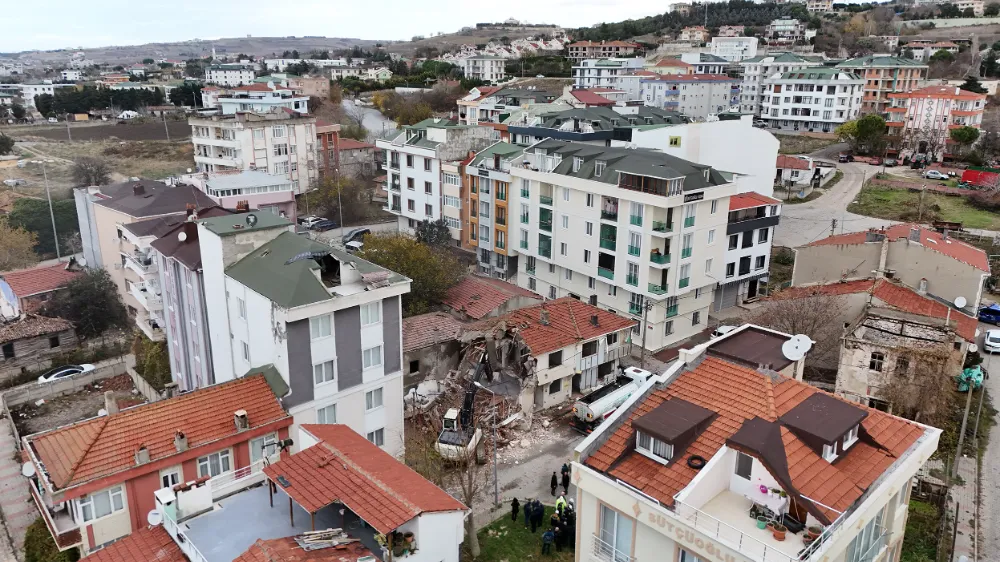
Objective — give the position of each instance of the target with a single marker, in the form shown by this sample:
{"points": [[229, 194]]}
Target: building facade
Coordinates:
{"points": [[696, 96], [250, 190], [813, 99], [785, 31], [261, 98], [695, 34], [230, 75], [921, 121], [487, 68], [582, 50], [884, 75], [604, 73], [487, 183], [819, 6], [749, 231], [734, 49], [757, 69]]}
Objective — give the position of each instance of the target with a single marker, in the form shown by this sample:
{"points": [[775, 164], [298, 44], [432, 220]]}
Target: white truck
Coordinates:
{"points": [[460, 440], [595, 407]]}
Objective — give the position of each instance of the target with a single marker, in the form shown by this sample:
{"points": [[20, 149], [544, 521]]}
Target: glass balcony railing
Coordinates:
{"points": [[684, 282], [633, 250], [636, 220], [659, 258], [525, 194], [634, 308], [545, 225], [545, 200], [529, 268], [671, 311], [661, 226], [609, 215], [545, 250], [608, 244], [524, 244], [685, 253], [605, 273], [524, 219], [689, 222], [632, 280], [657, 289]]}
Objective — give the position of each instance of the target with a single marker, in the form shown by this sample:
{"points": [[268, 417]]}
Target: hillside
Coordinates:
{"points": [[452, 41]]}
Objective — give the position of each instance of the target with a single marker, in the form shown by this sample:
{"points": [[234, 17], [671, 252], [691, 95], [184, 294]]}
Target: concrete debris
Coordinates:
{"points": [[39, 402]]}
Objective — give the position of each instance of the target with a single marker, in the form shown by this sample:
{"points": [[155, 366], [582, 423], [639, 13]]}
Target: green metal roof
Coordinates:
{"points": [[820, 73], [880, 61], [504, 149], [784, 58], [236, 224], [274, 379]]}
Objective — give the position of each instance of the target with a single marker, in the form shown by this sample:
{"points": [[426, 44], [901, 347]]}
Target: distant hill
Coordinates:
{"points": [[450, 42]]}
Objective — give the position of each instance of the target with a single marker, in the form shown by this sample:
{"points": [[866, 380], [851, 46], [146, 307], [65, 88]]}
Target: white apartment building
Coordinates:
{"points": [[640, 231], [487, 68], [261, 98], [230, 75], [785, 31], [283, 144], [976, 5], [731, 31], [705, 63], [749, 232], [819, 6], [766, 444], [697, 96], [414, 158], [71, 75], [583, 50], [451, 198], [326, 322], [817, 99], [486, 104], [280, 65], [734, 49], [604, 73], [29, 91], [757, 69]]}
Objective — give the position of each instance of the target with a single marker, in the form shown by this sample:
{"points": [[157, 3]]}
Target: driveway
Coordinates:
{"points": [[989, 508]]}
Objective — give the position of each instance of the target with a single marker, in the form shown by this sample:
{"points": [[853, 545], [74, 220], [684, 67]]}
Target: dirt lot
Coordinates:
{"points": [[70, 408], [152, 130], [800, 144]]}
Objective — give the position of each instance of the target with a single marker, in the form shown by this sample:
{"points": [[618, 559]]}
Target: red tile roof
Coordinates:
{"points": [[792, 162], [105, 446], [672, 62], [351, 144], [287, 550], [893, 295], [429, 329], [569, 323], [956, 249], [946, 92], [478, 296], [25, 282], [148, 544], [32, 326], [486, 91], [749, 200], [737, 394], [606, 90], [345, 467], [590, 98]]}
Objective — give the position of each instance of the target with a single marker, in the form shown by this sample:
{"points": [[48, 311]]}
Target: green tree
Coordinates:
{"points": [[88, 171], [147, 61], [39, 546], [188, 93], [968, 13], [942, 56], [434, 233], [432, 271], [91, 302], [964, 136], [972, 85], [17, 247], [18, 111], [43, 103], [6, 144], [865, 135], [152, 360], [33, 216], [991, 10]]}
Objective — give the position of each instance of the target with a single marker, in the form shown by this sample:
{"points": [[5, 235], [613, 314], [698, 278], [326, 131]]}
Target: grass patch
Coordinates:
{"points": [[902, 205], [921, 539], [798, 144], [816, 194], [782, 262], [509, 540]]}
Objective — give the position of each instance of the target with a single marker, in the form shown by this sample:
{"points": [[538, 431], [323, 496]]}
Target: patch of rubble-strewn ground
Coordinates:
{"points": [[87, 402]]}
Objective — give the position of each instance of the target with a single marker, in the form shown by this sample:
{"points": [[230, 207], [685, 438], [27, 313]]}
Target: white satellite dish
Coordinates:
{"points": [[102, 412], [251, 220], [973, 348], [82, 262], [182, 236], [795, 348], [28, 470], [154, 518], [960, 302], [189, 170]]}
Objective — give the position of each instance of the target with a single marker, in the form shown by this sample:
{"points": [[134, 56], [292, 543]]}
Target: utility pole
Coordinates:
{"points": [[165, 128], [52, 214], [645, 316], [961, 433], [69, 135], [920, 204], [833, 226]]}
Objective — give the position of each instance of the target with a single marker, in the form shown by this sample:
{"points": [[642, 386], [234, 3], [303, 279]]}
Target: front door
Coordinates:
{"points": [[752, 289]]}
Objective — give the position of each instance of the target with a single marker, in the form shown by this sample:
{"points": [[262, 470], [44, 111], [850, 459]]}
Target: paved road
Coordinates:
{"points": [[372, 119], [989, 509]]}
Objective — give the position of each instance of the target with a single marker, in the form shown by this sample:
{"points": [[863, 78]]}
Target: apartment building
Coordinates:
{"points": [[250, 189], [762, 443], [71, 75], [573, 239], [734, 49], [603, 126], [706, 63], [696, 96], [813, 99], [670, 65], [453, 199], [332, 329], [976, 6], [261, 98], [487, 227], [414, 158], [487, 104], [604, 73], [749, 231], [819, 6], [280, 65], [920, 121], [757, 69], [695, 34], [488, 68], [282, 143], [884, 75], [785, 31], [584, 50], [924, 50], [731, 31], [30, 91], [230, 75]]}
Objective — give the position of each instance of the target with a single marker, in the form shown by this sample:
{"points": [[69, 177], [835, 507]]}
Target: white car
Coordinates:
{"points": [[991, 343], [309, 221], [65, 371], [935, 175]]}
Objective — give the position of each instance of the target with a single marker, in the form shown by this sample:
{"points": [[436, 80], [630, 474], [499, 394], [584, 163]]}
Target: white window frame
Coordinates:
{"points": [[173, 476], [320, 327], [325, 413], [325, 372], [377, 436], [851, 437], [370, 362], [258, 443], [374, 399], [225, 454], [830, 452], [651, 447], [371, 313], [87, 503], [246, 351], [241, 307]]}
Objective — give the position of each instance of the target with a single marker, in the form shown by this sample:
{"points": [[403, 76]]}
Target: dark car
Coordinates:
{"points": [[990, 314], [890, 162], [324, 225], [845, 157]]}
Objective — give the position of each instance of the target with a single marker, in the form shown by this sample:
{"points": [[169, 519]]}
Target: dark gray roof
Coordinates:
{"points": [[149, 199], [607, 119], [225, 225]]}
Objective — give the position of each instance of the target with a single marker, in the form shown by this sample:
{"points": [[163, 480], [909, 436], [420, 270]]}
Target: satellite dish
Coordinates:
{"points": [[102, 412], [251, 220], [189, 170], [154, 518], [803, 341], [796, 348], [82, 262], [182, 236], [973, 348], [28, 469], [960, 302]]}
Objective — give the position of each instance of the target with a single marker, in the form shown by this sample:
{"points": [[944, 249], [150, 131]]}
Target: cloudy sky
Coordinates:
{"points": [[120, 22]]}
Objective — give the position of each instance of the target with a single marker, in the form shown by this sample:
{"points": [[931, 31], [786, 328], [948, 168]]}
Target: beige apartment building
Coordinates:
{"points": [[884, 75]]}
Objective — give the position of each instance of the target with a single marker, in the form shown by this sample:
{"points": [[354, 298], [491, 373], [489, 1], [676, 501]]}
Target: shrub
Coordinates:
{"points": [[40, 547], [785, 257], [985, 201]]}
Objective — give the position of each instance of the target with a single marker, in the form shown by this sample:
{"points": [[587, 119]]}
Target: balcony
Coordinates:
{"points": [[525, 194], [545, 247], [609, 215], [658, 258], [632, 280], [605, 273], [685, 253], [751, 222], [604, 552], [671, 311], [64, 530], [608, 244], [633, 250], [545, 225], [149, 327], [662, 227], [395, 208], [545, 200], [635, 219], [688, 222], [658, 290], [147, 298], [634, 308], [140, 264], [394, 164], [683, 283], [524, 244]]}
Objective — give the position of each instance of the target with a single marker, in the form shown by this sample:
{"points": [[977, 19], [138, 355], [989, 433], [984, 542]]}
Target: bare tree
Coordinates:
{"points": [[818, 316], [919, 386], [89, 171]]}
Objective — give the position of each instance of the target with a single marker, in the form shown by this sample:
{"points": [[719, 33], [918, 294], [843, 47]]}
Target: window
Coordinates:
{"points": [[851, 437], [214, 464], [715, 206], [373, 399], [695, 318], [452, 201], [484, 233], [569, 274], [730, 269], [281, 149], [759, 262], [484, 209], [591, 283], [428, 210], [278, 131], [103, 503], [829, 452], [565, 192], [675, 142], [668, 327], [532, 284], [586, 256], [598, 170], [589, 228], [563, 248], [744, 463], [902, 366], [324, 372], [371, 357], [327, 414], [377, 437], [708, 266], [555, 359], [762, 235], [427, 164], [241, 307], [8, 351], [371, 313], [651, 446], [711, 235], [427, 188], [409, 160], [246, 351], [876, 361], [452, 179], [53, 342], [577, 163], [616, 533], [590, 199], [170, 478], [734, 241], [319, 326], [409, 184], [257, 134]]}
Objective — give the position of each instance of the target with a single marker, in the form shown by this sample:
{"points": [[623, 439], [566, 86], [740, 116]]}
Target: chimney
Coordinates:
{"points": [[189, 209], [142, 455], [544, 317], [242, 206], [180, 441], [592, 300], [922, 286], [593, 320], [170, 389], [110, 404], [914, 235], [242, 422], [138, 189]]}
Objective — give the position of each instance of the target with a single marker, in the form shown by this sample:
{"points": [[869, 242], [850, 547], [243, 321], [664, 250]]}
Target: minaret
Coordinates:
{"points": [[213, 53]]}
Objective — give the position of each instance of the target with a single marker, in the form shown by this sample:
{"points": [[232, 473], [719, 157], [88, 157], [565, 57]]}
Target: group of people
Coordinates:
{"points": [[562, 523]]}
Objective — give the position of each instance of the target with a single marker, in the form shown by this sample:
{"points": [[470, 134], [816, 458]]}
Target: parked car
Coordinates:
{"points": [[990, 314], [354, 246], [356, 234], [890, 162], [991, 343], [935, 175], [845, 157], [65, 371], [14, 182], [53, 120], [760, 123], [723, 330], [324, 225], [309, 221]]}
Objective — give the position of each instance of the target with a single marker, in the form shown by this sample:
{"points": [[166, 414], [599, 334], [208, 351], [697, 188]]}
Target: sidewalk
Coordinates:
{"points": [[965, 497], [15, 501]]}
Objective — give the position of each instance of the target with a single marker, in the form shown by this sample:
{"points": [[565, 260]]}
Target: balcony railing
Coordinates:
{"points": [[526, 194], [64, 530], [394, 187], [632, 280], [524, 244], [634, 219], [605, 273], [545, 200], [657, 289], [686, 253], [609, 215], [659, 258], [684, 282], [394, 164], [671, 311], [502, 220], [633, 250], [524, 219], [604, 552], [662, 226], [544, 250], [688, 222], [608, 243], [634, 308], [545, 225]]}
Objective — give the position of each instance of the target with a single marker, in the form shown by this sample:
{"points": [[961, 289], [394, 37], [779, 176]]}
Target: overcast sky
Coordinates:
{"points": [[55, 24]]}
